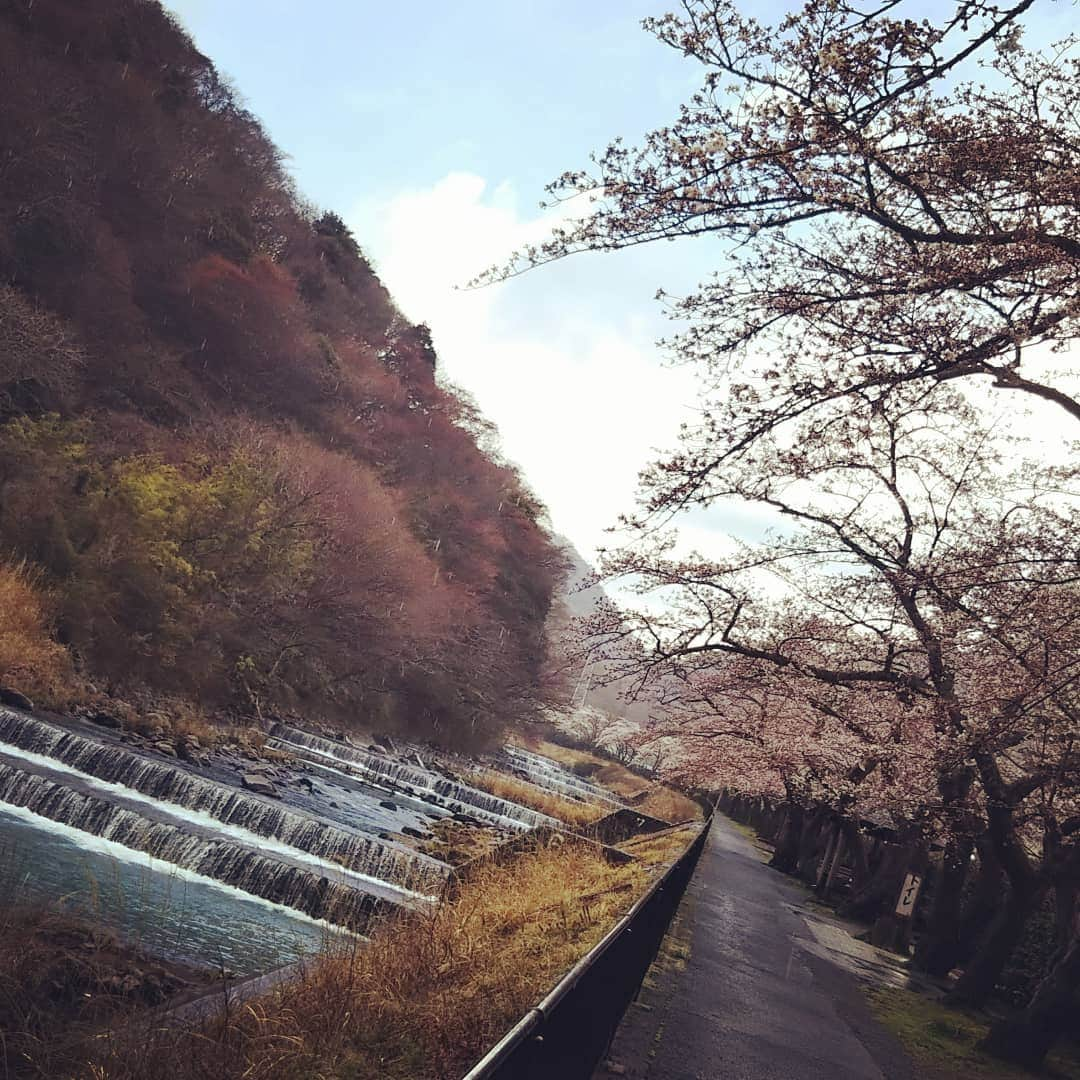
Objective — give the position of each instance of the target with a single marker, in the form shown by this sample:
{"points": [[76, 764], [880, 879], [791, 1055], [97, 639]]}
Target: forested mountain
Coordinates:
{"points": [[228, 472]]}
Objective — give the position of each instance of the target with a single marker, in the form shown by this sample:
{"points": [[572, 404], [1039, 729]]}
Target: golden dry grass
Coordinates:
{"points": [[179, 722], [524, 793], [661, 801], [30, 661], [661, 848], [428, 996], [668, 805], [457, 843]]}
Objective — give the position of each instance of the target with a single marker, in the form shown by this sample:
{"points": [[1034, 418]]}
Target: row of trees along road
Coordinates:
{"points": [[901, 199]]}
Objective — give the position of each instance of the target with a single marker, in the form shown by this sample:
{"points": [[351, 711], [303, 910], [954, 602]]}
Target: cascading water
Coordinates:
{"points": [[171, 913], [451, 794], [170, 784], [335, 870], [222, 860], [551, 775], [431, 799]]}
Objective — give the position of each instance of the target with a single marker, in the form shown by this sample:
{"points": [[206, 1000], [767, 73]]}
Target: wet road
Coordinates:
{"points": [[741, 990]]}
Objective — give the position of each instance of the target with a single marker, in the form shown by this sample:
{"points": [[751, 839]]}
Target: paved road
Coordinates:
{"points": [[744, 990]]}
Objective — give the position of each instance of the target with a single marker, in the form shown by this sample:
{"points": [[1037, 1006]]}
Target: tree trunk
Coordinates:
{"points": [[879, 893], [1066, 895], [786, 855], [829, 865], [984, 904], [892, 928], [855, 851], [938, 950], [775, 826], [1028, 1037], [983, 971], [810, 846]]}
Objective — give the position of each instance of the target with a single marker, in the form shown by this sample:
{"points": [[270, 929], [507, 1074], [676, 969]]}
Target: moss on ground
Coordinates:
{"points": [[946, 1040]]}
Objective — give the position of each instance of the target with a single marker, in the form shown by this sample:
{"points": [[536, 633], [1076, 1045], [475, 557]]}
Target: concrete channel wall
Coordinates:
{"points": [[567, 1034]]}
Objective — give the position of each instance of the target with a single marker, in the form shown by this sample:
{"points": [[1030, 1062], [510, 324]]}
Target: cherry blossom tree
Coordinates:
{"points": [[894, 214], [926, 647], [899, 201]]}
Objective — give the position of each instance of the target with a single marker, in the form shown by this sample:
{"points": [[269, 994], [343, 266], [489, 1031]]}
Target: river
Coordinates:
{"points": [[170, 912]]}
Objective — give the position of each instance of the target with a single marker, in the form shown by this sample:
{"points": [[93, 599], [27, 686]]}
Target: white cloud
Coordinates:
{"points": [[577, 389], [580, 403]]}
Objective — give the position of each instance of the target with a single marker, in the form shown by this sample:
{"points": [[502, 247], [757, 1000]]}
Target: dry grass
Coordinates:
{"points": [[63, 978], [661, 848], [524, 793], [668, 805], [183, 724], [661, 802], [427, 997], [457, 843], [30, 661]]}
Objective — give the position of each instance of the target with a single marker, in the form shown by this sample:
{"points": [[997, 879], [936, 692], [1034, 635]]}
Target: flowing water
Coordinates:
{"points": [[395, 775], [169, 912], [554, 776], [169, 784], [194, 866]]}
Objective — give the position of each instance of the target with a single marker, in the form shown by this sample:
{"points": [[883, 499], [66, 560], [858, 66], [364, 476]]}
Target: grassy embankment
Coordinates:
{"points": [[944, 1041], [645, 795], [648, 797], [524, 793], [63, 978], [427, 996]]}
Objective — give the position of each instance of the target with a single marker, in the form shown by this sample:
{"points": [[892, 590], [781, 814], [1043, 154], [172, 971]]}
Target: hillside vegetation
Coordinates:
{"points": [[228, 472]]}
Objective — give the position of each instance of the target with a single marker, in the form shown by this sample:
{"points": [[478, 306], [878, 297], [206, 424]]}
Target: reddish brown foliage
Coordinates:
{"points": [[188, 303]]}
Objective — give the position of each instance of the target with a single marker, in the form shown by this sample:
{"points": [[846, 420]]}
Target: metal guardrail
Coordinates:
{"points": [[567, 1034]]}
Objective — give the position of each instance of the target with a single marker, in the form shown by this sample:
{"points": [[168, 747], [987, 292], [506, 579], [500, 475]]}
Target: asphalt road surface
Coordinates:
{"points": [[742, 990]]}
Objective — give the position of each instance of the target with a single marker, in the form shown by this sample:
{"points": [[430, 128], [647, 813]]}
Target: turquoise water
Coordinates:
{"points": [[169, 912]]}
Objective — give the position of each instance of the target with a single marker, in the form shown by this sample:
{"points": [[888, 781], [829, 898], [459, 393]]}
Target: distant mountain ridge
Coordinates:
{"points": [[580, 595]]}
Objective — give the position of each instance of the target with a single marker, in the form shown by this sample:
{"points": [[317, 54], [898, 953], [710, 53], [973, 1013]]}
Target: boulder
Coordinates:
{"points": [[12, 697], [189, 750], [103, 718], [387, 804], [257, 783], [416, 834]]}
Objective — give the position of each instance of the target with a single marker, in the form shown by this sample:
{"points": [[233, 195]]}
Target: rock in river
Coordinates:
{"points": [[257, 783]]}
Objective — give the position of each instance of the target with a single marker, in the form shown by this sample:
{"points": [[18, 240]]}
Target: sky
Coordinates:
{"points": [[432, 128]]}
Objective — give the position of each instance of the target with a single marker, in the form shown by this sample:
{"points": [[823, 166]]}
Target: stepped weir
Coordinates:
{"points": [[451, 794], [329, 842], [217, 830]]}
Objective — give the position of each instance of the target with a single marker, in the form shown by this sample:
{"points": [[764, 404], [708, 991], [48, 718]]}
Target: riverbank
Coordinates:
{"points": [[425, 997], [63, 979]]}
